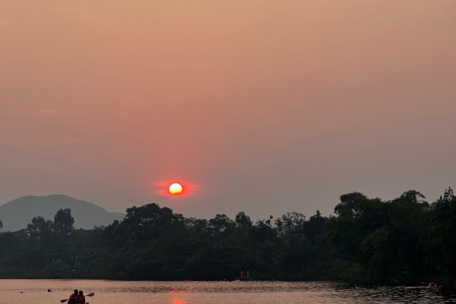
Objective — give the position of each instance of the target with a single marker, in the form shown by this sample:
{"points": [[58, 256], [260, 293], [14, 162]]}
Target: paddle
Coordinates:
{"points": [[87, 295]]}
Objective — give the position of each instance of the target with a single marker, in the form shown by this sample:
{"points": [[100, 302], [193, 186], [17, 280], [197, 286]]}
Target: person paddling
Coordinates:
{"points": [[78, 299], [74, 297], [81, 297]]}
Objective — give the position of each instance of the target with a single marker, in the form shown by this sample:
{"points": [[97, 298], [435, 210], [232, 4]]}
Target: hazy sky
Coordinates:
{"points": [[259, 106]]}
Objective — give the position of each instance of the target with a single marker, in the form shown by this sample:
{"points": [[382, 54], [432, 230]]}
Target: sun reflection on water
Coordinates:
{"points": [[179, 301]]}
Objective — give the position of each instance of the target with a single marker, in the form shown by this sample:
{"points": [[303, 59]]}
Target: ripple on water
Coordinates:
{"points": [[189, 292]]}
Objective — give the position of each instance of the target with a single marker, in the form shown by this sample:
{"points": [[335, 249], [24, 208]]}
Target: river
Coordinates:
{"points": [[250, 292]]}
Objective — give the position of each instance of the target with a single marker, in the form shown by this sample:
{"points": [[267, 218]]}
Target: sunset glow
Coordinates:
{"points": [[175, 189], [243, 103], [163, 188]]}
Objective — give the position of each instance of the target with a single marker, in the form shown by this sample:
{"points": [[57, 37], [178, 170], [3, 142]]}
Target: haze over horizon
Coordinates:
{"points": [[265, 107]]}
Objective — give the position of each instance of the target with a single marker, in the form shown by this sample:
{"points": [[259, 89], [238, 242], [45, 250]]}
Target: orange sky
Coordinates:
{"points": [[258, 106]]}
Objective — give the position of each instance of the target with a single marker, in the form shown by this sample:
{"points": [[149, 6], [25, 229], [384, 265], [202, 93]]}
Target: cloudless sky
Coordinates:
{"points": [[259, 106]]}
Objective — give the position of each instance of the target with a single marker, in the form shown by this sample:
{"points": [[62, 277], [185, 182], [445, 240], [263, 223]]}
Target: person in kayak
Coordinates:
{"points": [[81, 298], [74, 297]]}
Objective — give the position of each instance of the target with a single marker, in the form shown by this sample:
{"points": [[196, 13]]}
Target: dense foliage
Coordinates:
{"points": [[371, 241]]}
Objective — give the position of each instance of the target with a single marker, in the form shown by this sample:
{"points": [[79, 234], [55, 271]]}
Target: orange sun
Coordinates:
{"points": [[175, 188]]}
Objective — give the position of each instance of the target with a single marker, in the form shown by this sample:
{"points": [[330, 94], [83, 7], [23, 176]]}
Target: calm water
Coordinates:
{"points": [[109, 292]]}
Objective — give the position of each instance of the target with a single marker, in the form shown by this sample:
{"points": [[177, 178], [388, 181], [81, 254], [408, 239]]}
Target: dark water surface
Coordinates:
{"points": [[254, 292]]}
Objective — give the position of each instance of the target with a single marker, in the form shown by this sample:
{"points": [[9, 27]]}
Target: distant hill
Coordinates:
{"points": [[86, 215]]}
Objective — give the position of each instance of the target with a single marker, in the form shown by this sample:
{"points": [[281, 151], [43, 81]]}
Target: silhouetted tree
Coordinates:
{"points": [[442, 236], [142, 224], [40, 227], [314, 227], [293, 223], [370, 241], [348, 204], [63, 222], [40, 232], [243, 219], [221, 224]]}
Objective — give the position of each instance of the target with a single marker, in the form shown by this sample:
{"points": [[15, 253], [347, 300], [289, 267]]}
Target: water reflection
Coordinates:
{"points": [[179, 301], [251, 292]]}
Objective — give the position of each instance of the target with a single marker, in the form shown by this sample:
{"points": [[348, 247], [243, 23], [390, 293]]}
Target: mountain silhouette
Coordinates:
{"points": [[19, 212]]}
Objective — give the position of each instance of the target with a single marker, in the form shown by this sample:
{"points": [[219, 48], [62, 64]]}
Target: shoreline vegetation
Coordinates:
{"points": [[369, 241]]}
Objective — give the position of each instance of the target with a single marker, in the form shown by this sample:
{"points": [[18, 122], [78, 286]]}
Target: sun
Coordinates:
{"points": [[175, 189]]}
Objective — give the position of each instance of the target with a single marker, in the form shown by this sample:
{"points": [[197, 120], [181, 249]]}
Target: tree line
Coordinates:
{"points": [[367, 241]]}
